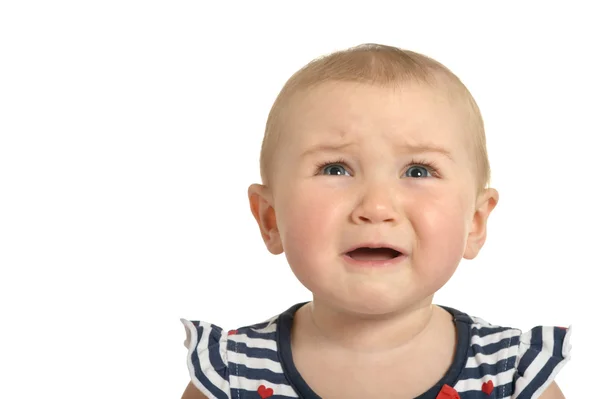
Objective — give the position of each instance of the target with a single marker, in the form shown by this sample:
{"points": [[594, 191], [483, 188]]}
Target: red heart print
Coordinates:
{"points": [[447, 392], [488, 387], [231, 332], [265, 392]]}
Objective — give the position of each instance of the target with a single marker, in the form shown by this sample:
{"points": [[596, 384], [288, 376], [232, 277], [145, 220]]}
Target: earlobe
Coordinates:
{"points": [[262, 209], [486, 203]]}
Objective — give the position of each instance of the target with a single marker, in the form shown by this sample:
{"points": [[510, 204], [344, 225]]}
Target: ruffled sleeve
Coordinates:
{"points": [[542, 353], [207, 358]]}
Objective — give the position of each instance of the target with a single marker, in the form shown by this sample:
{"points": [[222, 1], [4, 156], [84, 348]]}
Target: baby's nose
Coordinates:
{"points": [[376, 206]]}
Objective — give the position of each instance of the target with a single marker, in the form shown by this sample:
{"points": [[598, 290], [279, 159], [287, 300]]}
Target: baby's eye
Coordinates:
{"points": [[417, 172], [334, 169]]}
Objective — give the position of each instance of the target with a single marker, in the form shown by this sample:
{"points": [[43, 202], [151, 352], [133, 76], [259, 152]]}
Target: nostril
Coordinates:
{"points": [[375, 219]]}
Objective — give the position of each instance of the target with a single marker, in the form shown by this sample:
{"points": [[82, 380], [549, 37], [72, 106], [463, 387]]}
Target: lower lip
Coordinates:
{"points": [[374, 263]]}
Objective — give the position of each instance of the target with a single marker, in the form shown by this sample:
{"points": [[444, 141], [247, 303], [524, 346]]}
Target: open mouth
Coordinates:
{"points": [[373, 254]]}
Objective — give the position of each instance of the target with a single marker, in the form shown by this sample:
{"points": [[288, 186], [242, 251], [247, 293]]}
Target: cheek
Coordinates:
{"points": [[443, 219], [308, 221], [441, 231], [309, 226]]}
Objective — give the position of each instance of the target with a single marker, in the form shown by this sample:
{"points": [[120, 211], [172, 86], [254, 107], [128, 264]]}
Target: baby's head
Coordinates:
{"points": [[374, 146]]}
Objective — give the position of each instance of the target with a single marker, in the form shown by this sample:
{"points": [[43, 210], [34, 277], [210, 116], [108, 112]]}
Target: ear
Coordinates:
{"points": [[261, 205], [486, 202]]}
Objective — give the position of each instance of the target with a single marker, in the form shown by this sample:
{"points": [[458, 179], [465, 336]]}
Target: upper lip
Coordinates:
{"points": [[376, 245]]}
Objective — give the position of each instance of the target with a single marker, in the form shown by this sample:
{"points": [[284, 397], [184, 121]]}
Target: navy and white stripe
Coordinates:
{"points": [[207, 358], [519, 365], [254, 362], [542, 353]]}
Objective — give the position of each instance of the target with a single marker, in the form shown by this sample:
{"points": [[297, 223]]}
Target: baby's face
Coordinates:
{"points": [[352, 169]]}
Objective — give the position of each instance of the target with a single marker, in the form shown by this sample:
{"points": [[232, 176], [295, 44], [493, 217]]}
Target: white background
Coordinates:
{"points": [[129, 132]]}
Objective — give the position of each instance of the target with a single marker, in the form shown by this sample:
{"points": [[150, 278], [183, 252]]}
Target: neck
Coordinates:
{"points": [[352, 332]]}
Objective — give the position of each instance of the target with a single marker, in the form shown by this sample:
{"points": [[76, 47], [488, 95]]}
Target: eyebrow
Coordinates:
{"points": [[325, 147], [420, 148], [405, 148]]}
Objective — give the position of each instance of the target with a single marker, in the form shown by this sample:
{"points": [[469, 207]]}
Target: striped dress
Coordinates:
{"points": [[491, 362]]}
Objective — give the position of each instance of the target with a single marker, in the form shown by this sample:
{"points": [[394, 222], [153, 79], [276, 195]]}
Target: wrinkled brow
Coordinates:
{"points": [[403, 148]]}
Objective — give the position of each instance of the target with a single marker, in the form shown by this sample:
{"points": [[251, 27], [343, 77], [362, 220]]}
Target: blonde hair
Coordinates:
{"points": [[378, 65]]}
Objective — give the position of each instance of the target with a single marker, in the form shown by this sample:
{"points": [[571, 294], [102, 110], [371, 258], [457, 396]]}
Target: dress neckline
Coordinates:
{"points": [[284, 349]]}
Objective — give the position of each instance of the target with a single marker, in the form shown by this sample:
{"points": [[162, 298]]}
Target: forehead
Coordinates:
{"points": [[413, 114]]}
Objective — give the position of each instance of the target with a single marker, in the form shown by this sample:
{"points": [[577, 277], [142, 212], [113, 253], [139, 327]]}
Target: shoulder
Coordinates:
{"points": [[206, 360], [542, 352], [552, 392], [511, 362], [191, 392], [227, 363]]}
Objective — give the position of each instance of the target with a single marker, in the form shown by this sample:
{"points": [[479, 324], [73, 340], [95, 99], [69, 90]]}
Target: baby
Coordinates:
{"points": [[375, 185]]}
